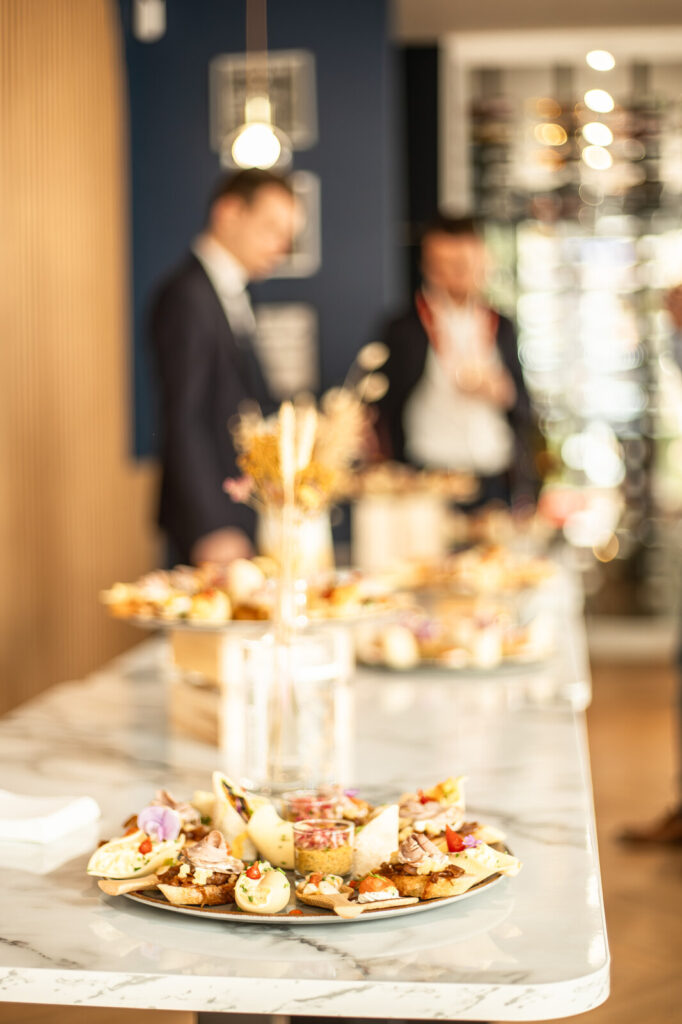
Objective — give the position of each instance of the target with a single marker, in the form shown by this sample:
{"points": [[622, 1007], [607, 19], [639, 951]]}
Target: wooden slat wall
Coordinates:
{"points": [[75, 510], [23, 1013]]}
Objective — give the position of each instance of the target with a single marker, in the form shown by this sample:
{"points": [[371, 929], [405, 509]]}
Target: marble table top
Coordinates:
{"points": [[533, 947]]}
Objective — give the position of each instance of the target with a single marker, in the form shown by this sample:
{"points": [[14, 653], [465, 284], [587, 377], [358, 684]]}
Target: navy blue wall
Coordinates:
{"points": [[356, 158]]}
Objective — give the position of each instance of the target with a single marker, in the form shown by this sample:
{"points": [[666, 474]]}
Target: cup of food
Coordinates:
{"points": [[304, 804], [324, 846]]}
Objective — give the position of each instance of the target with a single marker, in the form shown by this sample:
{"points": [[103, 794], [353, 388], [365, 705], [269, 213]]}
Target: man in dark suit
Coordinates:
{"points": [[202, 328], [456, 396]]}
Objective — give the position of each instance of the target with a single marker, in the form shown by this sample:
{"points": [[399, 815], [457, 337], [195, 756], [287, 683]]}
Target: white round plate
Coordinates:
{"points": [[310, 915], [508, 666], [239, 626], [256, 626]]}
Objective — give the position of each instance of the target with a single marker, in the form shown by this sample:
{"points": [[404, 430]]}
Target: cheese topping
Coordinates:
{"points": [[483, 857], [379, 894], [329, 885], [430, 864]]}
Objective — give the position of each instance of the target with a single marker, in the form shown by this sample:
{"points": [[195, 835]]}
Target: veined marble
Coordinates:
{"points": [[534, 947]]}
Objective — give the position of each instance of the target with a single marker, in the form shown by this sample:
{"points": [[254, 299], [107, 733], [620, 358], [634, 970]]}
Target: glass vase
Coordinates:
{"points": [[298, 712]]}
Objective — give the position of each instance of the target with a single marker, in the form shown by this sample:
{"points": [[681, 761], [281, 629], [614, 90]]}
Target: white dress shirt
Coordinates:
{"points": [[447, 427], [229, 279]]}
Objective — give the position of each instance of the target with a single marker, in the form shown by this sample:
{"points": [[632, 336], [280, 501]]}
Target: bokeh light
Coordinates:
{"points": [[597, 133], [598, 158], [599, 100], [600, 60], [550, 134]]}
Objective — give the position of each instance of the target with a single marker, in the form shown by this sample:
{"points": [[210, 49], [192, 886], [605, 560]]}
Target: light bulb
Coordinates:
{"points": [[598, 158], [600, 60], [597, 133], [256, 145], [599, 100], [149, 20]]}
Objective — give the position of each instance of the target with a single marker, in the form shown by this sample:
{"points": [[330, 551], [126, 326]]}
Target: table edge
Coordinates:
{"points": [[512, 1002]]}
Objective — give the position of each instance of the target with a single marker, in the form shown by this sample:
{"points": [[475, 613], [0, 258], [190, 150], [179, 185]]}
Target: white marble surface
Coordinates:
{"points": [[533, 948]]}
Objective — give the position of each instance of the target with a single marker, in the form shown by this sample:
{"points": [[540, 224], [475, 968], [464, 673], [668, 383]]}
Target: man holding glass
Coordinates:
{"points": [[456, 397]]}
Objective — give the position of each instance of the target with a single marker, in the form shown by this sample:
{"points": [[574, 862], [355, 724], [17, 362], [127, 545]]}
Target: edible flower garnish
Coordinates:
{"points": [[189, 815], [470, 841], [160, 823]]}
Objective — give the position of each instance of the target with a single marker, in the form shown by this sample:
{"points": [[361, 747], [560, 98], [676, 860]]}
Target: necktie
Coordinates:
{"points": [[243, 325]]}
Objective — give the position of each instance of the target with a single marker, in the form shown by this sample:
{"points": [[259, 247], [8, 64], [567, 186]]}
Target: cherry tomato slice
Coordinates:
{"points": [[145, 846], [372, 884], [295, 913], [253, 871], [453, 839], [315, 878]]}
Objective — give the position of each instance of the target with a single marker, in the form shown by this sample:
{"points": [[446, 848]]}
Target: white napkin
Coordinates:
{"points": [[43, 819], [43, 858]]}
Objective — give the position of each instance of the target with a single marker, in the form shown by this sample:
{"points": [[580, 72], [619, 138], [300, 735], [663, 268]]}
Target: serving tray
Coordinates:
{"points": [[231, 914]]}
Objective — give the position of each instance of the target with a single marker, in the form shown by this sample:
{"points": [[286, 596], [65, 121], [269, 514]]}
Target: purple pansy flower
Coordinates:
{"points": [[160, 822]]}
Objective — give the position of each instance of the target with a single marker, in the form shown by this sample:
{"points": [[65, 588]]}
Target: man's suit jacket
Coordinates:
{"points": [[205, 373], [408, 346]]}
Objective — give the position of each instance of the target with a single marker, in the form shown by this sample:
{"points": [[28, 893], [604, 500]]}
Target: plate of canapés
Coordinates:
{"points": [[492, 569], [243, 594], [323, 856], [462, 634]]}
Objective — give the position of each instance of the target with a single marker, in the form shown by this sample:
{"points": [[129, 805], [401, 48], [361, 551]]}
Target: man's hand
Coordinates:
{"points": [[222, 547]]}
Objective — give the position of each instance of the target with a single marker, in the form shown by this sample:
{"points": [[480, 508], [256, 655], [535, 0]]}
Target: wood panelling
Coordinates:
{"points": [[75, 510], [631, 726], [20, 1013]]}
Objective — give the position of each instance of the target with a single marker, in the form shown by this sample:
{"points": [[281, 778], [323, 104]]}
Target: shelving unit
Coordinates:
{"points": [[582, 258]]}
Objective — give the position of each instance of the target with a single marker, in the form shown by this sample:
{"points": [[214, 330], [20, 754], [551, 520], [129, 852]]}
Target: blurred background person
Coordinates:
{"points": [[673, 304], [202, 331], [457, 398], [667, 828]]}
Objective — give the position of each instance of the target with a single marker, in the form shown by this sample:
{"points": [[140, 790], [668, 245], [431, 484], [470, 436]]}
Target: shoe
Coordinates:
{"points": [[666, 830]]}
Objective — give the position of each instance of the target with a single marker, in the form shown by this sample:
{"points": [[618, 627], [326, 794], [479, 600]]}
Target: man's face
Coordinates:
{"points": [[259, 233], [454, 264]]}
